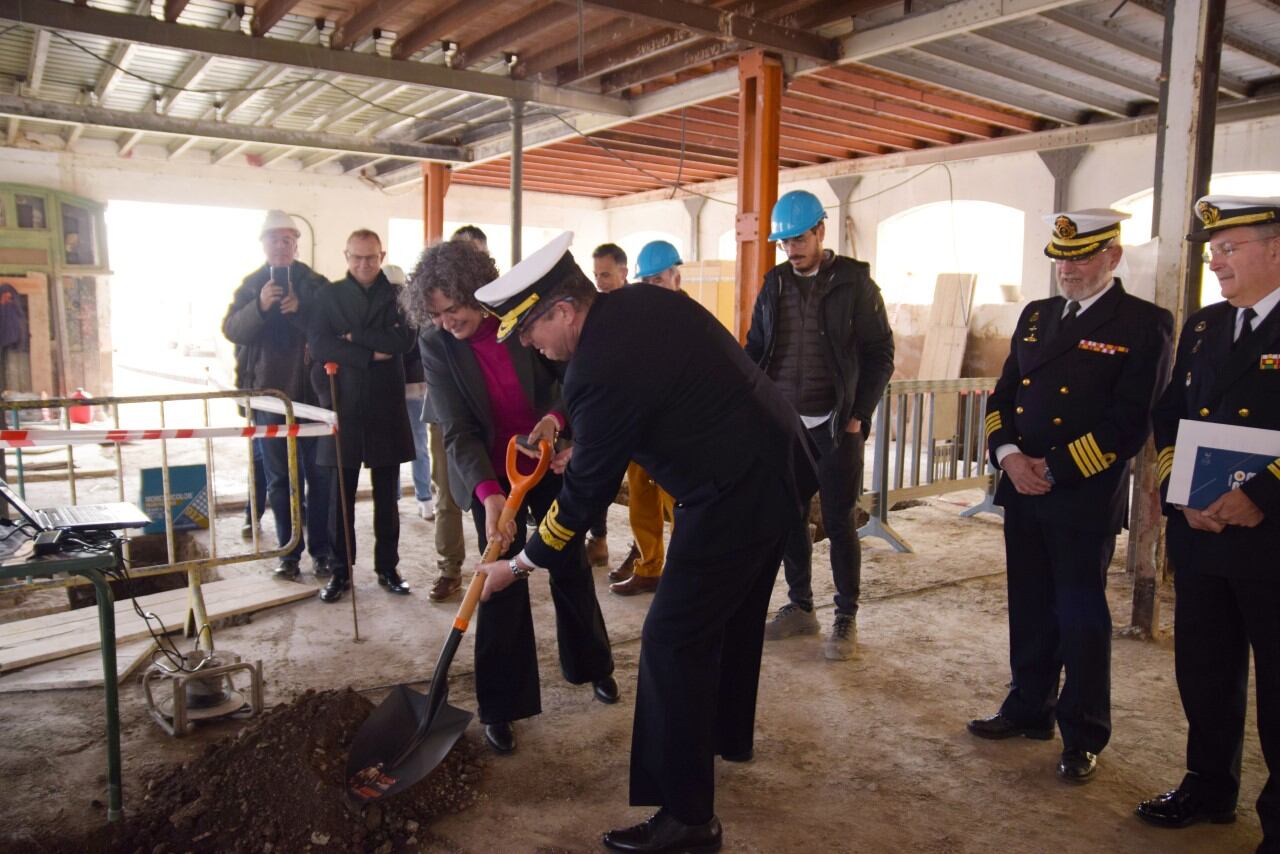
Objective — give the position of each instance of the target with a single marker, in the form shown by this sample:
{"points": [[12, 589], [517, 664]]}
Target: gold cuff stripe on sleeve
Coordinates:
{"points": [[1107, 459], [1274, 468], [1080, 464], [1089, 454], [555, 535]]}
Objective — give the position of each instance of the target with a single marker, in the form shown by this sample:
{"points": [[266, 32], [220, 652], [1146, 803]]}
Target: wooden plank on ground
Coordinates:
{"points": [[222, 599], [78, 671]]}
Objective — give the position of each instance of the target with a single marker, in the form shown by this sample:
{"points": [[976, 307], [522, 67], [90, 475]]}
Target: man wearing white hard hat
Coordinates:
{"points": [[1224, 554], [1072, 407], [820, 331], [268, 318], [653, 376]]}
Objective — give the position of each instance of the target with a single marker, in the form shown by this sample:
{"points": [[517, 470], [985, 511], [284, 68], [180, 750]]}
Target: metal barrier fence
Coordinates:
{"points": [[929, 440], [15, 437]]}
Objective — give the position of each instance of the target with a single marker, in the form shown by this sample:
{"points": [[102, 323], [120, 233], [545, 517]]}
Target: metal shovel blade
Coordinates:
{"points": [[376, 767]]}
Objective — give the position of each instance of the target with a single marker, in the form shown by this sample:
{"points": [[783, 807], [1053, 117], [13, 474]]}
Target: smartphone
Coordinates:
{"points": [[280, 276]]}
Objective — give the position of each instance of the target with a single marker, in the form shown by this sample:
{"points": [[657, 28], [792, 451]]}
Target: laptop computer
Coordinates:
{"points": [[84, 517]]}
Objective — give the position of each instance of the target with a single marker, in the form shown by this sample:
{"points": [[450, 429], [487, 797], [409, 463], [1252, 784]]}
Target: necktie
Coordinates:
{"points": [[1246, 327], [1073, 308]]}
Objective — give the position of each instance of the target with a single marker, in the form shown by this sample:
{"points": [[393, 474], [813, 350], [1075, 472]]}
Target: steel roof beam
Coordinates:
{"points": [[119, 55], [1068, 59], [35, 63], [1028, 104], [981, 62], [51, 14], [369, 99], [1231, 38], [726, 25], [194, 69], [176, 151], [918, 97], [33, 108], [174, 8]]}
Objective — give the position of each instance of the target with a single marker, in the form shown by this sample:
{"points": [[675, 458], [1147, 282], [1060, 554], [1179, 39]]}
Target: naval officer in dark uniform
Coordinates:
{"points": [[690, 407], [1072, 406], [1225, 555]]}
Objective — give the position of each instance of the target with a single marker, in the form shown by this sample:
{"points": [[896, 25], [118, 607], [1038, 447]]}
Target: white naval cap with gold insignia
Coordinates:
{"points": [[1079, 234], [1217, 213], [512, 295]]}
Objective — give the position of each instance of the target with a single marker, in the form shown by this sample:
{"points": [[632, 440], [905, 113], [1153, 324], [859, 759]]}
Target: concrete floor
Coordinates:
{"points": [[867, 755]]}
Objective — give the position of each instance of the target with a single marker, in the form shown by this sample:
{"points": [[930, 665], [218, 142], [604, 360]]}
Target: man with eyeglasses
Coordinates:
{"points": [[819, 330], [1071, 408], [267, 320], [358, 323], [690, 407], [1226, 557]]}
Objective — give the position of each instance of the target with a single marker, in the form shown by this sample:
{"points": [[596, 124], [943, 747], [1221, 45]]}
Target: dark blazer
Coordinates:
{"points": [[687, 405], [459, 401], [1213, 382], [1082, 400], [373, 423]]}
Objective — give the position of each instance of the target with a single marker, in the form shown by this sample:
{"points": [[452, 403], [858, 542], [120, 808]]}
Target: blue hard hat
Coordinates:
{"points": [[656, 256], [794, 214]]}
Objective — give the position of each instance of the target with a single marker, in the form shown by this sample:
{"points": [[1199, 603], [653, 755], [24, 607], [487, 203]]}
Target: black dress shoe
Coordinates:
{"points": [[393, 582], [606, 690], [323, 566], [1181, 808], [288, 569], [998, 726], [663, 832], [1076, 765], [501, 736], [333, 591]]}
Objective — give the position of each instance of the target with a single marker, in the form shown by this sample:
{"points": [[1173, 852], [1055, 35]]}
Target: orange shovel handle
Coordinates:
{"points": [[520, 486]]}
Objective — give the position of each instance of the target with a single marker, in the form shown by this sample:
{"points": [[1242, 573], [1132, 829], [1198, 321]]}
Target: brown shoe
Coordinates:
{"points": [[636, 584], [628, 566], [597, 551], [444, 588]]}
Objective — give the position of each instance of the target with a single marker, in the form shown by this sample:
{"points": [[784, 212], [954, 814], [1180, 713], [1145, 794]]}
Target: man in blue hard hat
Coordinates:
{"points": [[819, 330], [659, 264]]}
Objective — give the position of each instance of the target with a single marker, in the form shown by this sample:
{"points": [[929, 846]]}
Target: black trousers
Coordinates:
{"points": [[1216, 621], [839, 483], [701, 645], [1058, 620], [507, 685], [386, 518]]}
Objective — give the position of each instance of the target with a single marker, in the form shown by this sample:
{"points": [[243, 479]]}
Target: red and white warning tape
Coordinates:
{"points": [[33, 437]]}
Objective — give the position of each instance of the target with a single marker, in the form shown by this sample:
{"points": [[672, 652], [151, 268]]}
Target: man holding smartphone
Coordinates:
{"points": [[268, 317]]}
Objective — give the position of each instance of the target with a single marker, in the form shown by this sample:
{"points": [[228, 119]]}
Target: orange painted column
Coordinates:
{"points": [[759, 108], [435, 183]]}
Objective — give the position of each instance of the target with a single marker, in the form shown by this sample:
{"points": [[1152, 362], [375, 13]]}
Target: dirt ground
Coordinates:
{"points": [[866, 755]]}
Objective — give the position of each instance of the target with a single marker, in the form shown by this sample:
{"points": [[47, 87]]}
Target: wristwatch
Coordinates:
{"points": [[517, 571]]}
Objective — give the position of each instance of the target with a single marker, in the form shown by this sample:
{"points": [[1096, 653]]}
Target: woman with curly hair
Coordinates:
{"points": [[483, 392]]}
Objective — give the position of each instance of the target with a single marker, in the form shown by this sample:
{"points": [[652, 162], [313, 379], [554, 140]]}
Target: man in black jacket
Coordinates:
{"points": [[1224, 554], [268, 318], [707, 425], [357, 323], [1071, 408], [819, 330]]}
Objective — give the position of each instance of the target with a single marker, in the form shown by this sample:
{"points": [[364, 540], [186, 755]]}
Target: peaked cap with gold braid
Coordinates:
{"points": [[1218, 213], [514, 294], [1079, 234]]}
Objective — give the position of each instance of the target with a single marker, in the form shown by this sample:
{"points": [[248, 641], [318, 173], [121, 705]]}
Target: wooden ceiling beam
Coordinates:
{"points": [[438, 25], [818, 92], [269, 13], [363, 20]]}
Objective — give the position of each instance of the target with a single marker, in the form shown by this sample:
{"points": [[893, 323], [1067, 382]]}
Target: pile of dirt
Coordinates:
{"points": [[279, 786]]}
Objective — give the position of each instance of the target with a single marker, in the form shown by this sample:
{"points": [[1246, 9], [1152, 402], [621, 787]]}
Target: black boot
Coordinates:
{"points": [[391, 580], [340, 583]]}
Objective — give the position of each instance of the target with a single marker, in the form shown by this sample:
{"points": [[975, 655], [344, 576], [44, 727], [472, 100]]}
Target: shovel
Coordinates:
{"points": [[409, 733]]}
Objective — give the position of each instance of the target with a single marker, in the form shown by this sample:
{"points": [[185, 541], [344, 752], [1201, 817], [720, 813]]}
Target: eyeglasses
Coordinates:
{"points": [[1226, 250], [363, 259]]}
